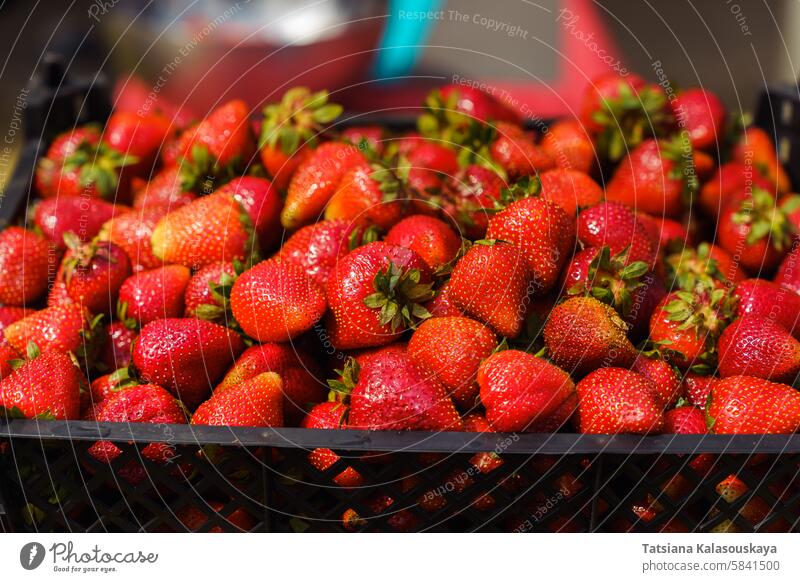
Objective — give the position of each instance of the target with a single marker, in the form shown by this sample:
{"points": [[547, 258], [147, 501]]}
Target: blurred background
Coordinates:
{"points": [[379, 54]]}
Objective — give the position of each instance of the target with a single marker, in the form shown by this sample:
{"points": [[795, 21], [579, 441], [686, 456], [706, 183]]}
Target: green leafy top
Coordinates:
{"points": [[99, 166], [297, 119], [767, 219], [399, 296]]}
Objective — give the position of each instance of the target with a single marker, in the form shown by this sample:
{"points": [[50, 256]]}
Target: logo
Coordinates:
{"points": [[31, 555]]}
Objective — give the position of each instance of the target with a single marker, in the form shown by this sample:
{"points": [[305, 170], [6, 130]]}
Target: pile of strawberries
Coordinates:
{"points": [[629, 271]]}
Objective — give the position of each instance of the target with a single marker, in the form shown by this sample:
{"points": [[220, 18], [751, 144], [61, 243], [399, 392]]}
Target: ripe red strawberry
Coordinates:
{"points": [[63, 146], [93, 273], [133, 232], [317, 248], [53, 329], [391, 393], [210, 229], [697, 387], [375, 293], [330, 415], [665, 379], [137, 136], [263, 203], [702, 114], [431, 238], [687, 324], [434, 157], [707, 264], [368, 195], [747, 405], [730, 184], [490, 283], [477, 104], [186, 356], [297, 371], [665, 234], [155, 294], [788, 274], [315, 181], [516, 153], [276, 301], [572, 190], [757, 231], [48, 386], [469, 197], [146, 403], [224, 138], [760, 347], [583, 334], [255, 402], [754, 511], [653, 177], [519, 389], [602, 94], [567, 142], [757, 149], [104, 387], [165, 189], [27, 261], [451, 349], [9, 314], [766, 299], [615, 225], [543, 233], [78, 215], [614, 400], [197, 519], [686, 420], [115, 352], [205, 292], [291, 128]]}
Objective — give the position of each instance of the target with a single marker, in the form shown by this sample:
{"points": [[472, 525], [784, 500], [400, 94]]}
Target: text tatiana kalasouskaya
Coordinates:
{"points": [[709, 549]]}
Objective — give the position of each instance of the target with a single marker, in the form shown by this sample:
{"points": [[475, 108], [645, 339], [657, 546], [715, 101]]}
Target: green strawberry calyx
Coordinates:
{"points": [[342, 387], [525, 187], [693, 266], [399, 295], [99, 166], [767, 219], [297, 119]]}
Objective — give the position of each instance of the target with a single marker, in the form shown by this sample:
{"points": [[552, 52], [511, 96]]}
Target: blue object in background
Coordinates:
{"points": [[403, 38]]}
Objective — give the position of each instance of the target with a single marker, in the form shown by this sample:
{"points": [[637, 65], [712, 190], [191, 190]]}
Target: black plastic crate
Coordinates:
{"points": [[234, 479]]}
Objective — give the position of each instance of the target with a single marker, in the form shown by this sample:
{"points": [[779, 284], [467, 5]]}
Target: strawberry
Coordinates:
{"points": [[747, 405], [93, 273], [732, 183], [138, 136], [572, 190], [665, 234], [47, 385], [615, 225], [754, 511], [702, 114], [54, 329], [756, 148], [155, 294], [210, 229], [760, 347], [276, 301], [688, 324], [105, 387], [317, 248], [788, 275], [222, 142], [368, 195], [135, 94], [434, 157], [205, 291], [567, 142], [516, 153], [543, 233], [10, 314], [451, 349], [115, 352], [429, 237], [442, 304], [197, 519], [26, 260], [391, 393], [686, 420], [758, 231], [330, 415], [374, 135], [255, 402], [291, 128], [518, 389], [654, 177], [490, 283], [665, 379], [263, 204], [469, 198], [707, 264], [48, 168], [766, 299], [583, 334], [186, 356], [132, 231], [477, 104], [615, 400], [93, 171], [315, 181], [296, 369], [165, 189], [80, 216], [697, 387], [374, 293]]}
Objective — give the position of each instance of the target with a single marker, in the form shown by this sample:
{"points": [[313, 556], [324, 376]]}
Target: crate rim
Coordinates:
{"points": [[399, 441]]}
